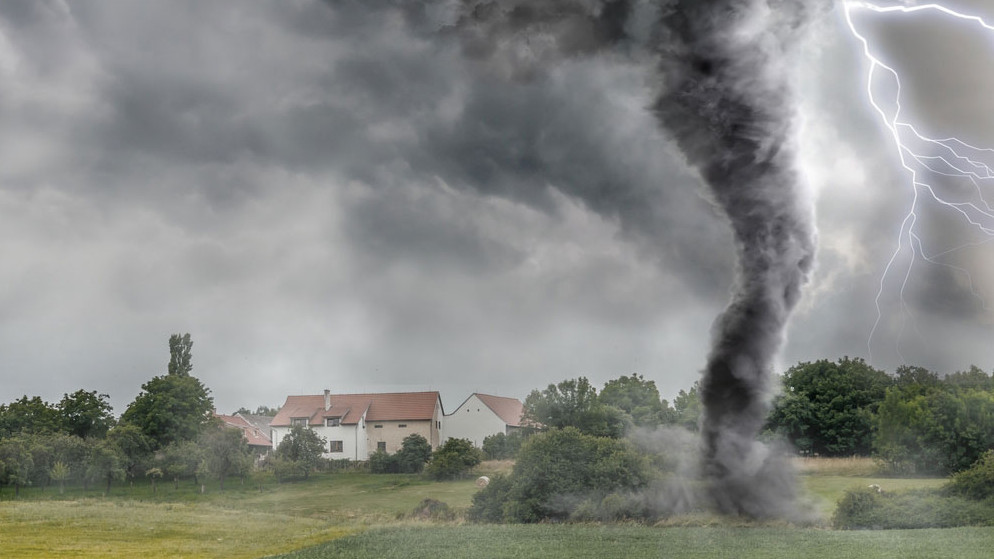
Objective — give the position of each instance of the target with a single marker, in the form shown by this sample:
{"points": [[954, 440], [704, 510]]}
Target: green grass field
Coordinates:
{"points": [[636, 542], [361, 515]]}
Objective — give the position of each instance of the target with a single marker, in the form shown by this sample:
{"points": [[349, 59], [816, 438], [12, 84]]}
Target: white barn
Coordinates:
{"points": [[482, 415]]}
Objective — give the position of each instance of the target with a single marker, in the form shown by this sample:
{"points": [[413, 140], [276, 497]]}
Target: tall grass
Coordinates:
{"points": [[844, 466]]}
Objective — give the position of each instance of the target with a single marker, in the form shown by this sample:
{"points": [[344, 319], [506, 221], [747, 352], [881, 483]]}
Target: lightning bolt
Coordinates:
{"points": [[945, 173]]}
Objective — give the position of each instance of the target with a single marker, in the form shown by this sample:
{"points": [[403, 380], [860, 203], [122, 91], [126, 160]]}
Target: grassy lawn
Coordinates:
{"points": [[363, 514], [119, 528], [635, 542]]}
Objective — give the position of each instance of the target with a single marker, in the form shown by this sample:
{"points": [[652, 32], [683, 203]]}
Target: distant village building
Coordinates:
{"points": [[255, 428], [357, 425], [482, 415]]}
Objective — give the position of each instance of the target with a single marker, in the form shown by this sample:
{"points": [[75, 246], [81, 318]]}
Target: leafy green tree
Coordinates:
{"points": [[180, 354], [453, 459], [936, 429], [226, 453], [504, 447], [15, 455], [260, 410], [174, 407], [574, 403], [639, 398], [828, 408], [135, 449], [414, 453], [180, 460], [301, 450], [85, 414], [28, 416], [105, 464], [60, 472], [975, 378], [687, 408], [72, 451]]}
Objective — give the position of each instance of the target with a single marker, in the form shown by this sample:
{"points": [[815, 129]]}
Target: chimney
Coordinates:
{"points": [[327, 399]]}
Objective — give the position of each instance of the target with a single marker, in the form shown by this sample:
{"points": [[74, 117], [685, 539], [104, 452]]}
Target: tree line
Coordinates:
{"points": [[167, 431], [914, 420]]}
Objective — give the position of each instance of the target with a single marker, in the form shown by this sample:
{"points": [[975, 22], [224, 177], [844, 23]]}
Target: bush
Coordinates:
{"points": [[977, 482], [557, 472], [431, 509], [453, 459], [488, 503], [382, 463]]}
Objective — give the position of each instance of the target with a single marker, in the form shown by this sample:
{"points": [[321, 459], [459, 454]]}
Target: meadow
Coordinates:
{"points": [[365, 515]]}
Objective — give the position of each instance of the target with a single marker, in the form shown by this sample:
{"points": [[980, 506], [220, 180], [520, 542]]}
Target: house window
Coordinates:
{"points": [[402, 425], [377, 426], [381, 446], [302, 421], [336, 446], [332, 421]]}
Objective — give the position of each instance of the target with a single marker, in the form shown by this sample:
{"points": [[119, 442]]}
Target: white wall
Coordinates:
{"points": [[474, 421], [353, 437]]}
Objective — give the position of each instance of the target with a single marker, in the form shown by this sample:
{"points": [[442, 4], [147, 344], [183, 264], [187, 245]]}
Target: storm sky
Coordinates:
{"points": [[338, 195]]}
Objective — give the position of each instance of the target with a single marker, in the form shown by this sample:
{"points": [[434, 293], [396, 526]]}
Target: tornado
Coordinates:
{"points": [[725, 101]]}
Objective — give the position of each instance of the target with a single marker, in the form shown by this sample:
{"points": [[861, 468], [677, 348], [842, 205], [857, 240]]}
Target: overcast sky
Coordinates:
{"points": [[331, 195]]}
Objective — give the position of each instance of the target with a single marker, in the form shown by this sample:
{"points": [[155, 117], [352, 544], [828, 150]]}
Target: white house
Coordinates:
{"points": [[356, 425], [482, 415]]}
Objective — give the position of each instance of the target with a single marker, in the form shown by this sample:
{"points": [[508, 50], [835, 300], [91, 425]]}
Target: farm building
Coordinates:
{"points": [[482, 415], [357, 425]]}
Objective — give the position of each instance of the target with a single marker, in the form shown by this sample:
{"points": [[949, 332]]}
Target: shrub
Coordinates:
{"points": [[856, 508], [453, 459], [558, 470], [431, 509], [488, 503], [977, 482], [382, 463]]}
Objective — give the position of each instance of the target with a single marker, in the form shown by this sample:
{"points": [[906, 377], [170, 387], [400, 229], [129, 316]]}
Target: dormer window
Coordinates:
{"points": [[332, 421], [301, 421]]}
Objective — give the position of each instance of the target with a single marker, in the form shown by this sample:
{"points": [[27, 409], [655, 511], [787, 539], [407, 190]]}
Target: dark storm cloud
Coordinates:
{"points": [[322, 191]]}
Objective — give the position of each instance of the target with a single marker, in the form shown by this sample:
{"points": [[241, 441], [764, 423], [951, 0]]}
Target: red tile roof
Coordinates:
{"points": [[254, 435], [394, 406], [509, 410]]}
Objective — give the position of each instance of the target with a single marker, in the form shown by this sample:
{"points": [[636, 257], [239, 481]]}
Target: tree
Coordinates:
{"points": [[936, 429], [301, 450], [15, 455], [687, 408], [180, 354], [453, 459], [28, 416], [260, 410], [134, 447], [60, 472], [828, 408], [504, 447], [414, 453], [226, 453], [174, 407], [180, 459], [639, 398], [574, 403], [105, 464], [85, 414]]}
